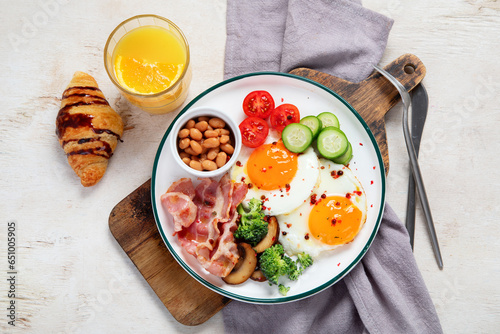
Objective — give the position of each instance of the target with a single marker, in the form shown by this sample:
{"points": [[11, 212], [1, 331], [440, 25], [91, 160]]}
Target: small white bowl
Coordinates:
{"points": [[209, 112]]}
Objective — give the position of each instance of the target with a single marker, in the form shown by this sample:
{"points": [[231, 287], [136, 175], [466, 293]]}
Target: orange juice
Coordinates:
{"points": [[147, 58]]}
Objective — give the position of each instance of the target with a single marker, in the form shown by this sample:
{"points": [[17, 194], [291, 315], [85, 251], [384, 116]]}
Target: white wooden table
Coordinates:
{"points": [[73, 277]]}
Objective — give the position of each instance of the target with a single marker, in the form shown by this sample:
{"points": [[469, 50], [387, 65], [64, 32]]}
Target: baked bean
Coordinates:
{"points": [[195, 146], [228, 148], [195, 157], [183, 143], [212, 153], [216, 122], [195, 134], [224, 139], [183, 133], [195, 165], [202, 126], [211, 142], [190, 124], [184, 155], [209, 127], [203, 118], [209, 165], [190, 151], [186, 160], [221, 159], [211, 134], [223, 132]]}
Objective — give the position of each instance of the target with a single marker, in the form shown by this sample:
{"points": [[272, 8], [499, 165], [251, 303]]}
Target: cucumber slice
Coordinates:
{"points": [[344, 158], [328, 119], [313, 123], [297, 137], [332, 143]]}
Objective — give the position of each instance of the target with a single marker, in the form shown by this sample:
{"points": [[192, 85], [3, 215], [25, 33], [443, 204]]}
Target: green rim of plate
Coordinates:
{"points": [[283, 299]]}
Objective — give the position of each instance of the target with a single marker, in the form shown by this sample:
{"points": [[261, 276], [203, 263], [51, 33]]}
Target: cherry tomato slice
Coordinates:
{"points": [[284, 115], [254, 131], [258, 103]]}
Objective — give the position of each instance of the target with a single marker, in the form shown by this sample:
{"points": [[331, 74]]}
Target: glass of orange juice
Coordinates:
{"points": [[147, 58]]}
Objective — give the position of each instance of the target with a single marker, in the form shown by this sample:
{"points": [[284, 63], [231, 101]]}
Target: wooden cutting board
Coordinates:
{"points": [[132, 223]]}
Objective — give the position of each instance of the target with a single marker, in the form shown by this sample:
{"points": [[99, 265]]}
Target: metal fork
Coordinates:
{"points": [[414, 163]]}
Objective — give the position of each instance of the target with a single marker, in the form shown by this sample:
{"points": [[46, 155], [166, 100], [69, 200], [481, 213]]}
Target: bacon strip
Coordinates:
{"points": [[207, 220], [181, 207]]}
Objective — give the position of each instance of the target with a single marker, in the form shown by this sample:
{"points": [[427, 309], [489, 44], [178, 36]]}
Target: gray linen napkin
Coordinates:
{"points": [[385, 292]]}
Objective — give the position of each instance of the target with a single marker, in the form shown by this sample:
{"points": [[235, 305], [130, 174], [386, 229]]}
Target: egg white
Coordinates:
{"points": [[280, 201], [294, 226]]}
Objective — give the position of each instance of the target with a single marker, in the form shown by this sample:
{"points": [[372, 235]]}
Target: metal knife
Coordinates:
{"points": [[420, 104]]}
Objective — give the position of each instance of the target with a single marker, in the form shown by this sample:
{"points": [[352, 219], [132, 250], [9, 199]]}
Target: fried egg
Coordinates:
{"points": [[330, 217], [281, 179]]}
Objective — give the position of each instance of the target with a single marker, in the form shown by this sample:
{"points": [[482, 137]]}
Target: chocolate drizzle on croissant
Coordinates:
{"points": [[88, 128]]}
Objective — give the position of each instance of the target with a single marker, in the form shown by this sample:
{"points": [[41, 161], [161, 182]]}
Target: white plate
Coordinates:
{"points": [[311, 98]]}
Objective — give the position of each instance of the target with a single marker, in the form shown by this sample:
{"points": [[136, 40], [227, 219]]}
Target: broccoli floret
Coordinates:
{"points": [[293, 272], [283, 289], [252, 227], [274, 264], [305, 260]]}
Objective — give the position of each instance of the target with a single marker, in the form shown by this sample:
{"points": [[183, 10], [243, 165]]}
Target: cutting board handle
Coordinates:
{"points": [[373, 97]]}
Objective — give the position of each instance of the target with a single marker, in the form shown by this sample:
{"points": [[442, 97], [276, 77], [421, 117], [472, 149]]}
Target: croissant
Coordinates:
{"points": [[88, 128]]}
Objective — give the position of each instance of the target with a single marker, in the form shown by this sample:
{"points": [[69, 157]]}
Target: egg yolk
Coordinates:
{"points": [[272, 166], [334, 220]]}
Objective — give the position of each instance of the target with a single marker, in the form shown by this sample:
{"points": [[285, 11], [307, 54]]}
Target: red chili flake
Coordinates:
{"points": [[371, 206], [275, 142], [334, 221], [282, 195], [243, 178], [357, 192], [270, 167], [264, 208], [337, 203], [306, 236], [263, 197], [239, 164], [347, 195], [322, 167], [360, 144], [250, 186], [313, 199], [282, 100], [287, 186], [371, 182], [338, 265], [263, 170], [288, 225], [301, 214], [323, 196], [334, 174], [289, 117], [374, 167]]}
